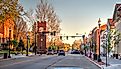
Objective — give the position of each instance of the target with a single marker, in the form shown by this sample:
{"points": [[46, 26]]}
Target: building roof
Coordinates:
{"points": [[117, 8]]}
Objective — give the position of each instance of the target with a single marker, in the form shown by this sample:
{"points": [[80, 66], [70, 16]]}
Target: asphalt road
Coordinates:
{"points": [[49, 62]]}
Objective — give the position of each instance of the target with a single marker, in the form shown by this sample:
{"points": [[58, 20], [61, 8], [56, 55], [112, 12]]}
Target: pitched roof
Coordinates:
{"points": [[117, 8]]}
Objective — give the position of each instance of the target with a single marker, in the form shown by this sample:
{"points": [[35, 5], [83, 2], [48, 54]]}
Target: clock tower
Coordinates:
{"points": [[41, 37]]}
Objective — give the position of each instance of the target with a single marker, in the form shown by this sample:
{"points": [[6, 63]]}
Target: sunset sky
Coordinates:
{"points": [[78, 16]]}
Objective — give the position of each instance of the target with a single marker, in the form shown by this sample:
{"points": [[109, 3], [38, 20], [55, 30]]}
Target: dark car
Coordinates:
{"points": [[41, 52], [50, 52], [75, 52], [61, 52]]}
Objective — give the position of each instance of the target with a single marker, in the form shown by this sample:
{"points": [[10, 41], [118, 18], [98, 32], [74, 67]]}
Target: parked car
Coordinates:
{"points": [[55, 52], [41, 52], [61, 52], [75, 52], [50, 52]]}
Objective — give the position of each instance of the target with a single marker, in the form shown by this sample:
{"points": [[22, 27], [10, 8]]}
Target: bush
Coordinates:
{"points": [[13, 52], [24, 52], [4, 51]]}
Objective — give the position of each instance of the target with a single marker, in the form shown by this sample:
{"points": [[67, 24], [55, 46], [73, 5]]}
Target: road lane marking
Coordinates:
{"points": [[24, 61], [54, 62]]}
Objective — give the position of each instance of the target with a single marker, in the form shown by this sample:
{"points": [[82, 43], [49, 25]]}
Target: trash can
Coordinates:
{"points": [[99, 60], [95, 56], [5, 55]]}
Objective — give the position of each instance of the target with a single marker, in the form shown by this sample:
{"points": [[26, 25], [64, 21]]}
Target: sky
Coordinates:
{"points": [[78, 16]]}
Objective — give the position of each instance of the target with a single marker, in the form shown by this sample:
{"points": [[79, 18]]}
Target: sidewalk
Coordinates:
{"points": [[112, 62], [13, 56], [94, 62]]}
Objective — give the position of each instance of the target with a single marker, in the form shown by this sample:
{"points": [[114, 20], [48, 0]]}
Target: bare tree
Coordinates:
{"points": [[46, 12], [20, 28], [30, 18]]}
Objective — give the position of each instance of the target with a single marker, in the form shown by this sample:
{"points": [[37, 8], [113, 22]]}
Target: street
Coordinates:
{"points": [[49, 62]]}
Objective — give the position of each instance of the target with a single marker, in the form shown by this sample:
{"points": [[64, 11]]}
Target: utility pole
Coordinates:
{"points": [[35, 38], [9, 42], [83, 36]]}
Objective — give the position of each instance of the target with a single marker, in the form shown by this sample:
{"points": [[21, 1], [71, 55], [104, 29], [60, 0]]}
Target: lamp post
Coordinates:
{"points": [[83, 36], [9, 42], [27, 45], [35, 38], [99, 59]]}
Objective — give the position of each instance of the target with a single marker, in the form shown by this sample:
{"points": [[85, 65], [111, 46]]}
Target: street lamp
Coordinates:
{"points": [[9, 42], [99, 59], [83, 36], [27, 45], [35, 38]]}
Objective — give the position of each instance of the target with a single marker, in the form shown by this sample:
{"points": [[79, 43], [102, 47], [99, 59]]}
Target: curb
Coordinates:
{"points": [[94, 63], [2, 59]]}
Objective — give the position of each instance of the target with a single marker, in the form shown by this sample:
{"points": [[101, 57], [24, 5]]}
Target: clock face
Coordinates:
{"points": [[41, 29]]}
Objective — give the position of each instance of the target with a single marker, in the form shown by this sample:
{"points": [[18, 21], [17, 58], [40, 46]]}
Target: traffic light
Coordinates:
{"points": [[43, 33], [54, 33], [61, 37], [51, 33], [67, 37], [83, 36]]}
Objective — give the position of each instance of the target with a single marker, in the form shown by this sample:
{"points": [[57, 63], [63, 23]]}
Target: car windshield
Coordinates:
{"points": [[61, 50], [49, 50]]}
